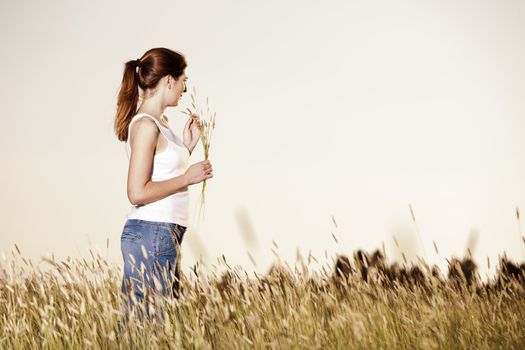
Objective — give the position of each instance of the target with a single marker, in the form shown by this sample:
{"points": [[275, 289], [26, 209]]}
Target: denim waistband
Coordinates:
{"points": [[153, 223]]}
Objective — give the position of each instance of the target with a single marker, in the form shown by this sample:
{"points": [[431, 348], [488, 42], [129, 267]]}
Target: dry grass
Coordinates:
{"points": [[363, 303]]}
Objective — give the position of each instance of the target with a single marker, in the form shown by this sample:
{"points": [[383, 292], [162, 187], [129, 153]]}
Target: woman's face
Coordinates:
{"points": [[178, 87]]}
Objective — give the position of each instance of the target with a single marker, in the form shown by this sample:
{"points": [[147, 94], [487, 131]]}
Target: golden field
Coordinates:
{"points": [[362, 303]]}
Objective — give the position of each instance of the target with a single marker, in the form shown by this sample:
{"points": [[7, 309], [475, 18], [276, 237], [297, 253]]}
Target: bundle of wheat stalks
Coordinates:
{"points": [[206, 125]]}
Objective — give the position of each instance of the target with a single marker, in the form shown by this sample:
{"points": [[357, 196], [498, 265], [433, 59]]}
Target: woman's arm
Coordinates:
{"points": [[144, 135]]}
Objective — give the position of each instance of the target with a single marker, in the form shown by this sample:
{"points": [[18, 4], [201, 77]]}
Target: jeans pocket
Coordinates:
{"points": [[131, 233], [166, 243], [169, 240]]}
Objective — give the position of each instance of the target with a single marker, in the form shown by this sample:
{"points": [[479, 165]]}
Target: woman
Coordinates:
{"points": [[158, 174]]}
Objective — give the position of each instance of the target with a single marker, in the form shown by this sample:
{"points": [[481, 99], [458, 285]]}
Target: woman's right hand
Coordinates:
{"points": [[199, 172]]}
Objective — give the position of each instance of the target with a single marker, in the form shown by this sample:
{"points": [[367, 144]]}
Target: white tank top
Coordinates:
{"points": [[171, 162]]}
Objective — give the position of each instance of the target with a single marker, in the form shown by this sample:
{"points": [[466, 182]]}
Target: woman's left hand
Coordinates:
{"points": [[192, 132]]}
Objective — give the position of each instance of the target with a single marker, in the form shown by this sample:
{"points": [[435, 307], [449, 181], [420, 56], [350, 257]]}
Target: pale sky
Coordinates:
{"points": [[355, 109]]}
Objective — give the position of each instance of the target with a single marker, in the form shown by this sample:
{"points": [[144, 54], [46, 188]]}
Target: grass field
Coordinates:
{"points": [[363, 303]]}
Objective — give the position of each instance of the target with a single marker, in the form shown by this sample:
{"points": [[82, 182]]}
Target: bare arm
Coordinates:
{"points": [[144, 134]]}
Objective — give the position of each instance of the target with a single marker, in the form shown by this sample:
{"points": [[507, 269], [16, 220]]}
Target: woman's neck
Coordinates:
{"points": [[153, 107]]}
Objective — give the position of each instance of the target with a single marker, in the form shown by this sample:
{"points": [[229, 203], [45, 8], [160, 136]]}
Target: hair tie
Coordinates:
{"points": [[137, 65]]}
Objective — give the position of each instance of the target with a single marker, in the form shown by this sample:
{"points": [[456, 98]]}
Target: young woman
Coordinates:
{"points": [[158, 174]]}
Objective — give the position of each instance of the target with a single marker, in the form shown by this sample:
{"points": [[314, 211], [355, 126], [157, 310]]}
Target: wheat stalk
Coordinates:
{"points": [[206, 126]]}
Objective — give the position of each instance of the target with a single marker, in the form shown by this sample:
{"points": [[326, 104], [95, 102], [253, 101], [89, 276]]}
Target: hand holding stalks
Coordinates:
{"points": [[199, 172]]}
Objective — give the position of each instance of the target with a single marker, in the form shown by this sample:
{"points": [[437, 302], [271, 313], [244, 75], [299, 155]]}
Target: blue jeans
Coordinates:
{"points": [[150, 250]]}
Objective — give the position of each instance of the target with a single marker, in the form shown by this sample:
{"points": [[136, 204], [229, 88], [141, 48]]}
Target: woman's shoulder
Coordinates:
{"points": [[144, 125]]}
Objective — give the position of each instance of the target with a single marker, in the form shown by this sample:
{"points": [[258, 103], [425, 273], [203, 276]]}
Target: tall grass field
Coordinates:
{"points": [[360, 303]]}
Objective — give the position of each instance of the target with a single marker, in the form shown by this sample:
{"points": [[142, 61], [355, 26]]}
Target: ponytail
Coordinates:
{"points": [[127, 100]]}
